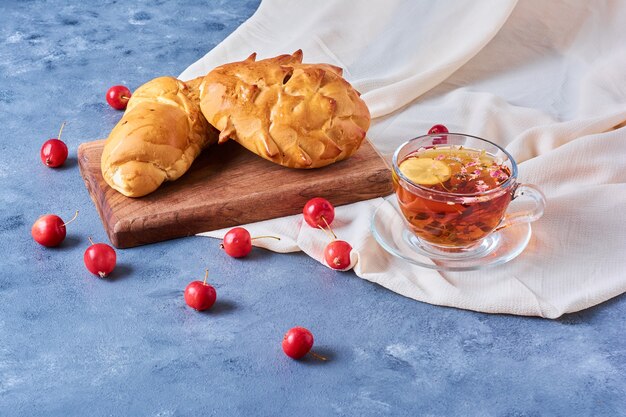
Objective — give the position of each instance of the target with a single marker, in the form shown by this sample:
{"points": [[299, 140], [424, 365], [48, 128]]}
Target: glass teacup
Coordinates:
{"points": [[454, 190]]}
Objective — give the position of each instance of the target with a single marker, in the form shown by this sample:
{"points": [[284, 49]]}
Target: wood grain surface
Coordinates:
{"points": [[227, 186]]}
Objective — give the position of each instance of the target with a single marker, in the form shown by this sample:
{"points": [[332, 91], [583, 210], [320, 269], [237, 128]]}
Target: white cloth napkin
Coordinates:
{"points": [[545, 79]]}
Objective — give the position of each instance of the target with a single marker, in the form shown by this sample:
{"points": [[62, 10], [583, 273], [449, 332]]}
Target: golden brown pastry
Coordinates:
{"points": [[157, 139], [296, 115]]}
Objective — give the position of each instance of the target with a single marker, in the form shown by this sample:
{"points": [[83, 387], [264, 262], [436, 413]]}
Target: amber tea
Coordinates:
{"points": [[453, 197]]}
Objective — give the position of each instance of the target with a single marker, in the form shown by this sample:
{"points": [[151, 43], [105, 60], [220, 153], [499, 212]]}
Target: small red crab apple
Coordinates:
{"points": [[100, 259], [297, 342], [199, 295], [337, 254], [49, 230], [54, 152], [118, 96], [238, 243], [318, 212], [436, 129]]}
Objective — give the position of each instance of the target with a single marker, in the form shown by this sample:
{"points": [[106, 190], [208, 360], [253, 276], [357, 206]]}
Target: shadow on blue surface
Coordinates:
{"points": [[588, 315], [70, 164], [221, 307], [121, 271]]}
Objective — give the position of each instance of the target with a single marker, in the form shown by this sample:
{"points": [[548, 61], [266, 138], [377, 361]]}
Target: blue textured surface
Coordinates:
{"points": [[75, 345]]}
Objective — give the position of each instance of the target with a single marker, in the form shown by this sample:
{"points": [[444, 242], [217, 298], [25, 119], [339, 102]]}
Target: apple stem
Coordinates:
{"points": [[90, 241], [325, 231], [61, 130], [265, 237], [329, 228], [72, 219], [125, 97], [206, 275], [319, 357]]}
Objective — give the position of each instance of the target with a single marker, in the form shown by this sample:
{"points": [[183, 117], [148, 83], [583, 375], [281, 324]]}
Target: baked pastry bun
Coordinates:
{"points": [[294, 114], [157, 139]]}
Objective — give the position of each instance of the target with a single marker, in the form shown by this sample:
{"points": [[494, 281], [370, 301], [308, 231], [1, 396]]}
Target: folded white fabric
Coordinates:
{"points": [[517, 74], [392, 51]]}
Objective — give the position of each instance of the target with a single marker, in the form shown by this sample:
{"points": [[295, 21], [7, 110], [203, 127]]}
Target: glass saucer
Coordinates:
{"points": [[391, 232]]}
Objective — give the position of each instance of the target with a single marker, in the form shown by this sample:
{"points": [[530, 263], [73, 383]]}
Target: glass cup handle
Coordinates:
{"points": [[525, 216]]}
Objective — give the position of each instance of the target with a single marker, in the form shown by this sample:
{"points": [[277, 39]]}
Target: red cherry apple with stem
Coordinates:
{"points": [[199, 295], [49, 230], [118, 96], [318, 212], [53, 152], [337, 252], [100, 259], [238, 243], [297, 342], [436, 129]]}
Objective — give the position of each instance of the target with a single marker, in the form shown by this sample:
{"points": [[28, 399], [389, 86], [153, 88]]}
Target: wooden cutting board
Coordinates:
{"points": [[227, 186]]}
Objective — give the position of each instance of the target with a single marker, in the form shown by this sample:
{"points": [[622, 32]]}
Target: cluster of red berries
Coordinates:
{"points": [[318, 213], [50, 230]]}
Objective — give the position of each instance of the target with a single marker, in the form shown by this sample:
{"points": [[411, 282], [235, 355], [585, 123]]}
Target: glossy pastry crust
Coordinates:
{"points": [[294, 114], [157, 139]]}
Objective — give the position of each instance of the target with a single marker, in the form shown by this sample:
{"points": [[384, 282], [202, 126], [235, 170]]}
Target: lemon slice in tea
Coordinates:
{"points": [[425, 171]]}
